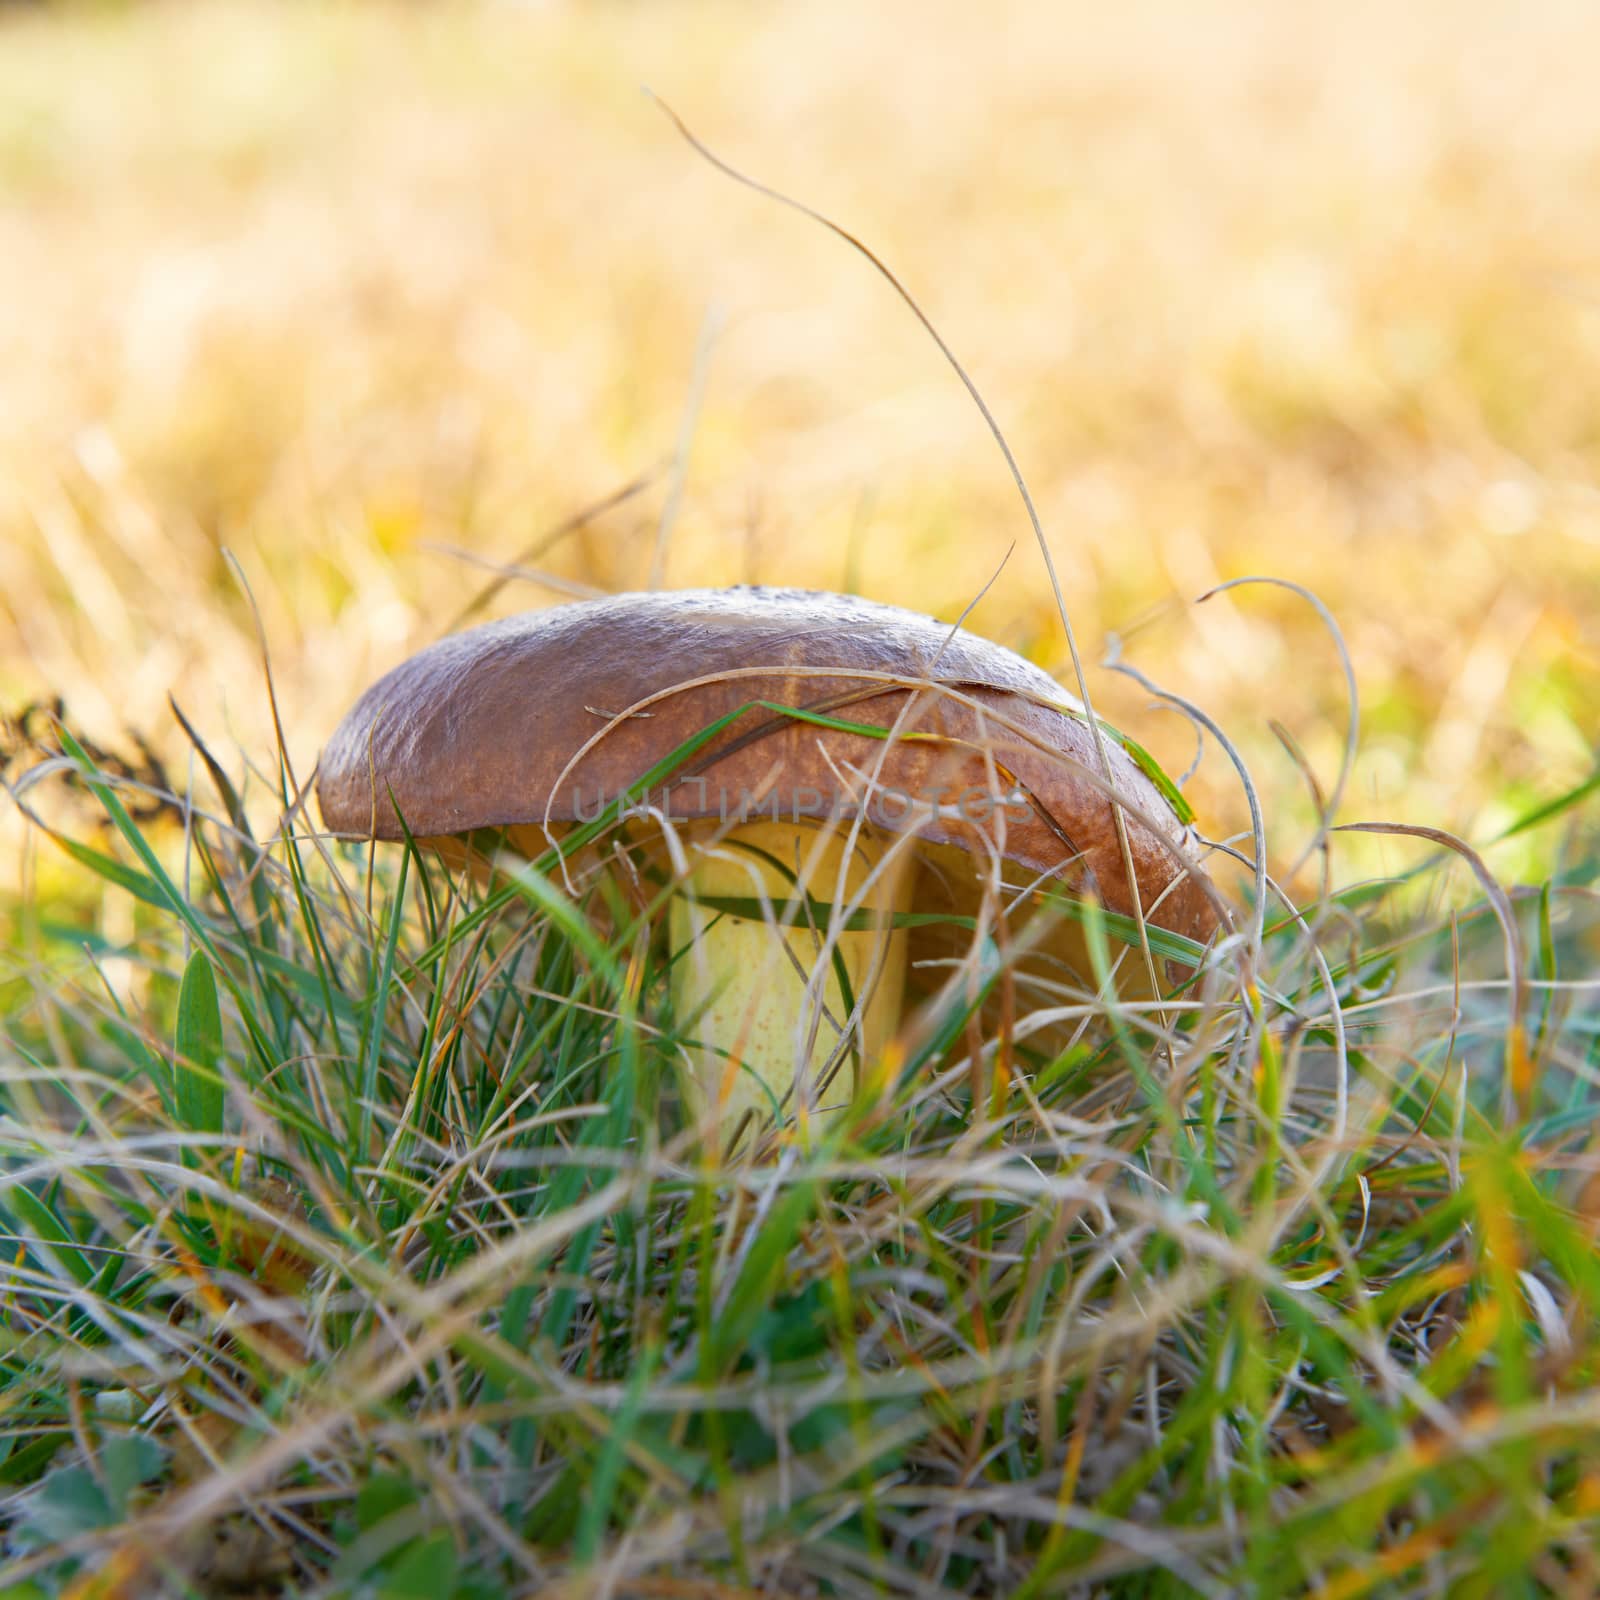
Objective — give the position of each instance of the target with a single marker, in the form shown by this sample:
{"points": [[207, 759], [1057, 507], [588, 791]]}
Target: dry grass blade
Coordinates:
{"points": [[518, 565], [1511, 933], [1080, 680], [1352, 735]]}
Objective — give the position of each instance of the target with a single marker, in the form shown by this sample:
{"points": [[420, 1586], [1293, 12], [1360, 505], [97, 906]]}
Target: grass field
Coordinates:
{"points": [[354, 1243]]}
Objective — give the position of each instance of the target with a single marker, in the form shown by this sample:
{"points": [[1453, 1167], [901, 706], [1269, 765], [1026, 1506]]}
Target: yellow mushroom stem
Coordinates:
{"points": [[757, 967]]}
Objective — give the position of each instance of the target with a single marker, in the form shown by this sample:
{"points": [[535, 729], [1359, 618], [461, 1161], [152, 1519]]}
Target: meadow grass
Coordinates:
{"points": [[358, 1245], [1250, 292], [354, 1239]]}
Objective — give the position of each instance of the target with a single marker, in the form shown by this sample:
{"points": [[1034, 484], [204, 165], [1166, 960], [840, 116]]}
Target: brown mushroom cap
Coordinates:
{"points": [[481, 730]]}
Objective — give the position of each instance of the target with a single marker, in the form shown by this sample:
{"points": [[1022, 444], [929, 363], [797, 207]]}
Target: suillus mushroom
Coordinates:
{"points": [[854, 743]]}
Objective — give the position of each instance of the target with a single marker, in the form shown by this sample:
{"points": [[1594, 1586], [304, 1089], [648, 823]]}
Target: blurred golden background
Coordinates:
{"points": [[358, 292]]}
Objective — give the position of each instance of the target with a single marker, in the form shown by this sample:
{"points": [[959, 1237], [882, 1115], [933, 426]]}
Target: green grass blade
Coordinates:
{"points": [[38, 1225], [197, 1087], [608, 1469]]}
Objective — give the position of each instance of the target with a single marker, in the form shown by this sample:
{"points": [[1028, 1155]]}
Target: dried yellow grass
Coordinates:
{"points": [[1313, 292]]}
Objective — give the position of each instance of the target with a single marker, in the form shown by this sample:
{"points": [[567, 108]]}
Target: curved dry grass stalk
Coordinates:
{"points": [[1352, 737], [1517, 1065], [1011, 461]]}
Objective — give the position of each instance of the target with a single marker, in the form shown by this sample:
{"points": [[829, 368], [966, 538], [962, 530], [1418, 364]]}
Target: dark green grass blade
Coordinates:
{"points": [[37, 1224], [197, 1087], [378, 1003], [607, 1474]]}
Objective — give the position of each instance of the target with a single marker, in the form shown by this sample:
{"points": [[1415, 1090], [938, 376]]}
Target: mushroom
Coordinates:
{"points": [[786, 818]]}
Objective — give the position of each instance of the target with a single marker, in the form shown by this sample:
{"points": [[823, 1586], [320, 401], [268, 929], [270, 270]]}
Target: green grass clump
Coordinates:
{"points": [[355, 1246]]}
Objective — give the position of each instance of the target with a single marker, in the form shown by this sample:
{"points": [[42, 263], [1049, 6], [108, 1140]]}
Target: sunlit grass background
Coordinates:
{"points": [[331, 310], [1310, 293]]}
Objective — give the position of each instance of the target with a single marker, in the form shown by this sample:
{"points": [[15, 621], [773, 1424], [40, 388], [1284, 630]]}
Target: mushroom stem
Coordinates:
{"points": [[756, 975]]}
